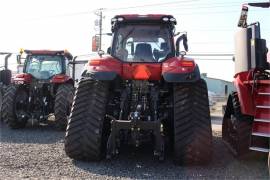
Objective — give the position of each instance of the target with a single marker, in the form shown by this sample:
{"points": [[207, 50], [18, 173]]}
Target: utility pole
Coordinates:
{"points": [[100, 28], [100, 17]]}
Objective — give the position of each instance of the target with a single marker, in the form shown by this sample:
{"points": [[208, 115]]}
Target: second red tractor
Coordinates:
{"points": [[144, 92]]}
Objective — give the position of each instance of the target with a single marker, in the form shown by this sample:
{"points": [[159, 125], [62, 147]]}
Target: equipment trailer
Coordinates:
{"points": [[145, 91]]}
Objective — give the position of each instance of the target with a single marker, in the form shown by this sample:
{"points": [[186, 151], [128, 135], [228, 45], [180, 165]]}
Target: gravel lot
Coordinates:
{"points": [[37, 153]]}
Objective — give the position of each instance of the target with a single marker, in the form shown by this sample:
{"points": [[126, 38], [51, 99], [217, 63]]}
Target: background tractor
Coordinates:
{"points": [[43, 88], [246, 122], [5, 78], [144, 92]]}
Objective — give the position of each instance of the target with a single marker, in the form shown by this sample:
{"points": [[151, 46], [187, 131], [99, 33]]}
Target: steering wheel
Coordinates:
{"points": [[51, 72]]}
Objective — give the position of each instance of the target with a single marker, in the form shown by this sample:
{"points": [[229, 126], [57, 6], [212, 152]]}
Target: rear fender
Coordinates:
{"points": [[62, 78], [244, 92], [105, 68], [23, 78], [180, 69]]}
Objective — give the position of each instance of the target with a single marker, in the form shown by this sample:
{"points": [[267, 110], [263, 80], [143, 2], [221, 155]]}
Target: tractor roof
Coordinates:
{"points": [[143, 19], [50, 52]]}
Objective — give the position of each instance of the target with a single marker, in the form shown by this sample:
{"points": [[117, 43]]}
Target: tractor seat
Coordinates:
{"points": [[143, 53], [44, 74]]}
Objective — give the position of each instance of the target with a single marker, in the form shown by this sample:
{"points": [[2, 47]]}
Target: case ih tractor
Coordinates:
{"points": [[5, 78], [43, 88], [142, 93], [246, 122]]}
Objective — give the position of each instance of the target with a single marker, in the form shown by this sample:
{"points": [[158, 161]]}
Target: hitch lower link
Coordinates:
{"points": [[135, 126]]}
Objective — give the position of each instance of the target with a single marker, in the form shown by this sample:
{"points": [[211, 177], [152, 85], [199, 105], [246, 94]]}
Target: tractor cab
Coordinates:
{"points": [[143, 38], [44, 65]]}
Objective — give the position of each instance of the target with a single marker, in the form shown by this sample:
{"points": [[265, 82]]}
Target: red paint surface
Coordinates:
{"points": [[126, 70], [261, 127], [178, 65], [60, 78], [105, 64], [244, 93], [25, 78]]}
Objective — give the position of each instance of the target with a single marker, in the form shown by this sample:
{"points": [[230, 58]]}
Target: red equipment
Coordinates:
{"points": [[43, 88], [145, 91], [246, 122]]}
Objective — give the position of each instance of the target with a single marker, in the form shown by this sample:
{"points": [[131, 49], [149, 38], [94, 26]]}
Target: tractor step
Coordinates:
{"points": [[260, 128], [263, 107], [264, 93], [259, 149], [260, 135], [262, 120]]}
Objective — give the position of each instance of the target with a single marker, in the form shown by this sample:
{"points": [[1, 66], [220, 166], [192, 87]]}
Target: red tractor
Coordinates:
{"points": [[246, 122], [144, 92], [43, 88]]}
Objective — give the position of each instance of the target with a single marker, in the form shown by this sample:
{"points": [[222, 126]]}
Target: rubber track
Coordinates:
{"points": [[243, 128], [84, 136], [192, 124], [63, 101]]}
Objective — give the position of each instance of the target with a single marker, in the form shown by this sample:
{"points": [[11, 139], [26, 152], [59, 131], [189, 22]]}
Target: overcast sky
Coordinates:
{"points": [[69, 24]]}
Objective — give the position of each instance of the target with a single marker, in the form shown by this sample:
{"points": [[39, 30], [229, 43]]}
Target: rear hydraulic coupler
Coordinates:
{"points": [[135, 125]]}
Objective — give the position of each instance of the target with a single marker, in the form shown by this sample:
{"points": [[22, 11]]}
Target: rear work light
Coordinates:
{"points": [[166, 19], [94, 62], [120, 19], [187, 63]]}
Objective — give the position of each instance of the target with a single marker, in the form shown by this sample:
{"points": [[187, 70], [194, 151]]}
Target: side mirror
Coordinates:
{"points": [[19, 59], [183, 38], [183, 53], [101, 53], [109, 50]]}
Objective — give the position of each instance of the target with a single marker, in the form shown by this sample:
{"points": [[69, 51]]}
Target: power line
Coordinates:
{"points": [[151, 5], [210, 54], [188, 4]]}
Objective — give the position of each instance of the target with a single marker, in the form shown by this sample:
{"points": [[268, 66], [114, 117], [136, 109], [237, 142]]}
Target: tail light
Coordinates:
{"points": [[184, 63], [22, 78], [141, 72], [59, 78], [94, 62]]}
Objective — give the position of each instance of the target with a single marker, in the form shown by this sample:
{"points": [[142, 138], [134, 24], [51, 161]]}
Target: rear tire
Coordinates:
{"points": [[1, 102], [236, 127], [62, 105], [192, 124], [85, 139], [14, 105]]}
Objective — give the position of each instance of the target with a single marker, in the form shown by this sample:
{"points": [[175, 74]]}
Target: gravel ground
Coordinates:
{"points": [[37, 153]]}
